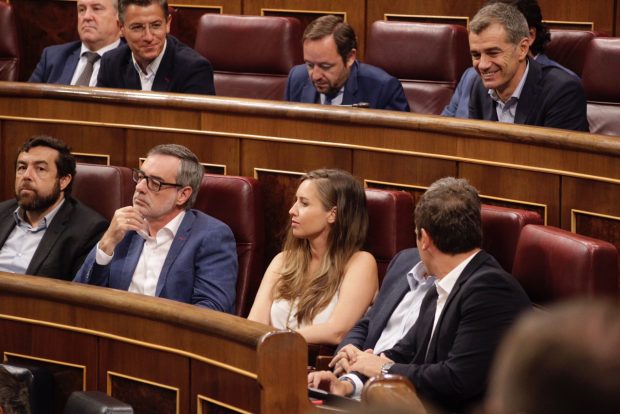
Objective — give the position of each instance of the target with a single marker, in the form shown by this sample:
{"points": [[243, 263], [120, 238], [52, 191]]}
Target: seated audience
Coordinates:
{"points": [[44, 231], [153, 60], [333, 76], [160, 246], [13, 394], [77, 63], [513, 88], [321, 283], [448, 351], [539, 37], [562, 361]]}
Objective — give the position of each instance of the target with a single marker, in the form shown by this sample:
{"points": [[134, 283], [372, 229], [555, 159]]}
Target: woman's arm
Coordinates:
{"points": [[261, 308], [358, 288]]}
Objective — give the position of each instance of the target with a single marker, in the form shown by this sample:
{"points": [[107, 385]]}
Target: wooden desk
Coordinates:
{"points": [[571, 178], [157, 355]]}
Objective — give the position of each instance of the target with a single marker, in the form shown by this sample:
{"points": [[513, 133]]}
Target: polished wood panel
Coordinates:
{"points": [[599, 12], [153, 352]]}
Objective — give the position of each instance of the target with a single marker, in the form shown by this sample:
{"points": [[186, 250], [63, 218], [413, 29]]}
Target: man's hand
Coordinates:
{"points": [[369, 364], [124, 220], [327, 381], [344, 358]]}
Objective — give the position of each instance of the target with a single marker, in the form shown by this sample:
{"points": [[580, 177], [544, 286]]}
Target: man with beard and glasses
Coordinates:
{"points": [[333, 76], [44, 231], [77, 62]]}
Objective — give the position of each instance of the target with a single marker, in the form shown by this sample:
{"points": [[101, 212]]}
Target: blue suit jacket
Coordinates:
{"points": [[453, 371], [200, 268], [57, 64], [459, 104], [366, 83], [368, 330], [181, 69], [550, 97]]}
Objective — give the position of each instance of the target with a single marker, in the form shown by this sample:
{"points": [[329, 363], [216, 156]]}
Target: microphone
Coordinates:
{"points": [[358, 105]]}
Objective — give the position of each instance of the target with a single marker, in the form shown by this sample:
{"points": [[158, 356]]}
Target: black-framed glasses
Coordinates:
{"points": [[153, 184]]}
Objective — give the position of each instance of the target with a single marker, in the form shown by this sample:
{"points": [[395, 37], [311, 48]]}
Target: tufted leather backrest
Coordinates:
{"points": [[95, 402], [390, 227], [553, 264], [569, 47], [251, 55], [104, 188], [238, 202], [9, 45], [600, 82], [428, 58], [501, 228]]}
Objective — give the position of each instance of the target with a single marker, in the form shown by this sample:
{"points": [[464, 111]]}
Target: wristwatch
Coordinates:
{"points": [[350, 381], [386, 368]]}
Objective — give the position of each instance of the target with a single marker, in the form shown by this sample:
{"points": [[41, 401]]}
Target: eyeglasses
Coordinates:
{"points": [[152, 184]]}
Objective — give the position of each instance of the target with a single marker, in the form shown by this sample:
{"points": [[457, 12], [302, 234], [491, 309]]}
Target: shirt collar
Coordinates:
{"points": [[171, 227], [446, 284], [418, 275], [151, 68], [517, 93], [19, 214], [101, 51]]}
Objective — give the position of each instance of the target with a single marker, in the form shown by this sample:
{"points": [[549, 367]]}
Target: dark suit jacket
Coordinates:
{"points": [[74, 230], [181, 69], [483, 303], [58, 63], [200, 268], [550, 97], [366, 83], [368, 330]]}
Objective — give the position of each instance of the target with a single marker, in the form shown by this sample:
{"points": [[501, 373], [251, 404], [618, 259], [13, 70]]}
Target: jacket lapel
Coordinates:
{"points": [[7, 224], [70, 66], [163, 77], [350, 89], [53, 232], [529, 94], [177, 245], [121, 272]]}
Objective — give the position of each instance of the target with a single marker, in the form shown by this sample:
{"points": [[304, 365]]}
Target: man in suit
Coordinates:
{"points": [[333, 76], [152, 60], [539, 37], [44, 231], [513, 88], [448, 351], [78, 62], [162, 247]]}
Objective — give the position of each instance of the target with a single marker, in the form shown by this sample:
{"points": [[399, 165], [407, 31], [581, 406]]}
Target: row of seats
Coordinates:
{"points": [[259, 69], [549, 262]]}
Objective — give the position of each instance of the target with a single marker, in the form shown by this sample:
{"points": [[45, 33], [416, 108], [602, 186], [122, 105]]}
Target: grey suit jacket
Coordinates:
{"points": [[72, 233]]}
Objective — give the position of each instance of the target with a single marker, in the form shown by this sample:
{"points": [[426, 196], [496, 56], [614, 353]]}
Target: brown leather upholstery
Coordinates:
{"points": [[238, 202], [501, 228], [251, 55], [553, 264], [391, 226], [103, 188], [428, 58], [569, 47], [600, 82], [9, 45]]}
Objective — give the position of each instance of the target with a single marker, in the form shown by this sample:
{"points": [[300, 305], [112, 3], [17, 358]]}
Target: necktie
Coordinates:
{"points": [[84, 79]]}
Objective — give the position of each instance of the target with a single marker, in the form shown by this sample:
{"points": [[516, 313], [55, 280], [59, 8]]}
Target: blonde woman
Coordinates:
{"points": [[321, 283]]}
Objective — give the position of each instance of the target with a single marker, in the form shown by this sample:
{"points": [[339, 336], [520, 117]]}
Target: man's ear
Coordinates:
{"points": [[183, 195], [523, 48], [351, 58], [64, 181], [424, 241]]}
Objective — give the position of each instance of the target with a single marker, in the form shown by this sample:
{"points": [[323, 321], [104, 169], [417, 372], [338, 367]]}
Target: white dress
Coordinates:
{"points": [[281, 310]]}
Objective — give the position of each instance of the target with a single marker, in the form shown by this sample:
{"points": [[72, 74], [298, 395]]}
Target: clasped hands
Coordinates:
{"points": [[348, 359]]}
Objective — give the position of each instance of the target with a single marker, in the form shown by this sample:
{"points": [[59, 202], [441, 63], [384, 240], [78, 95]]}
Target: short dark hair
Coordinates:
{"points": [[531, 10], [343, 33], [65, 162], [449, 211], [506, 15], [13, 394], [123, 4], [190, 172]]}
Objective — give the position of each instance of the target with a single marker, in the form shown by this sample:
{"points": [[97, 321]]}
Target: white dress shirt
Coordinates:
{"points": [[82, 62], [147, 79]]}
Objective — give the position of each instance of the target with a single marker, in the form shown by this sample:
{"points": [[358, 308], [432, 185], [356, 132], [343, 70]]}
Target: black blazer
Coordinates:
{"points": [[74, 230], [483, 303], [368, 330], [550, 97], [181, 69]]}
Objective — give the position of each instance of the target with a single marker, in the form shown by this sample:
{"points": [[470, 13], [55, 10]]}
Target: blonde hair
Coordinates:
{"points": [[338, 189]]}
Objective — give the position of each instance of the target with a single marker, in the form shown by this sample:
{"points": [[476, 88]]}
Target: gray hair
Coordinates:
{"points": [[509, 17], [190, 171]]}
